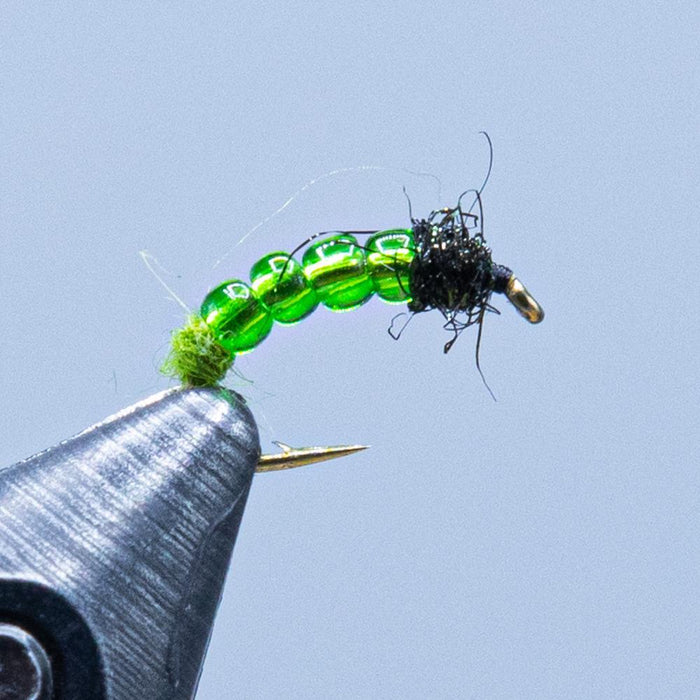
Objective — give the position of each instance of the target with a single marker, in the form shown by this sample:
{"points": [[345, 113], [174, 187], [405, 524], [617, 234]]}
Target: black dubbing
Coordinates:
{"points": [[452, 270]]}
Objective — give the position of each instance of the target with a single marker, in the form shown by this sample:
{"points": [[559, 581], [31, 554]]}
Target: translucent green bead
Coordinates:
{"points": [[290, 298], [238, 319], [336, 268], [389, 257]]}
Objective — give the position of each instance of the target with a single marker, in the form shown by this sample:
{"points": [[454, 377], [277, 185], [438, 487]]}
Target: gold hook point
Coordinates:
{"points": [[292, 457]]}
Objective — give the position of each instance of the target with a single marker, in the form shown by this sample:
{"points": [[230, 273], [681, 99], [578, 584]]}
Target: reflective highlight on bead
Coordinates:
{"points": [[337, 270], [389, 257], [239, 320], [289, 296]]}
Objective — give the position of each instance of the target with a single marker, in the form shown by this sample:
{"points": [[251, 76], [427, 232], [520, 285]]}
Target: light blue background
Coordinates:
{"points": [[545, 546]]}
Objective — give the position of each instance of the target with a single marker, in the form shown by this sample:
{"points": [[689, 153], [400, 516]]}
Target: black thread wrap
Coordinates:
{"points": [[452, 270]]}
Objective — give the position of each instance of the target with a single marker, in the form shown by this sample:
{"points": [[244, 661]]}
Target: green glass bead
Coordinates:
{"points": [[337, 271], [238, 319], [389, 257], [290, 298]]}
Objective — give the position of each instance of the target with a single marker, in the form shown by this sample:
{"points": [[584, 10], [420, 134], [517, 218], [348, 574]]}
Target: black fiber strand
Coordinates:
{"points": [[452, 270]]}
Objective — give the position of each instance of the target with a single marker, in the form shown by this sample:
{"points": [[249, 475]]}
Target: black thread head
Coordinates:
{"points": [[501, 277], [452, 270]]}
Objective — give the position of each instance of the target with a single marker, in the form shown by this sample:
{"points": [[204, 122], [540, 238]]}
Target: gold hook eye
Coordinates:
{"points": [[523, 301]]}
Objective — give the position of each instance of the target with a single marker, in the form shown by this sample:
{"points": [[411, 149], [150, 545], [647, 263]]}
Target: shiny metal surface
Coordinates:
{"points": [[523, 301], [292, 457], [114, 545]]}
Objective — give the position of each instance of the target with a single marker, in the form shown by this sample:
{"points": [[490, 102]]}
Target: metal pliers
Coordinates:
{"points": [[114, 546]]}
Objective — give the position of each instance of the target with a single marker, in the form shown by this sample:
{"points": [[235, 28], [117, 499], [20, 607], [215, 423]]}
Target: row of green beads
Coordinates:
{"points": [[335, 272]]}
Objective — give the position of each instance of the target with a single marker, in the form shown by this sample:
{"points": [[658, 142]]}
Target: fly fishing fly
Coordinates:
{"points": [[441, 262]]}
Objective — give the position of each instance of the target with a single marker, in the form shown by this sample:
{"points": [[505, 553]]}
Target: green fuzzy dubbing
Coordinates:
{"points": [[195, 357]]}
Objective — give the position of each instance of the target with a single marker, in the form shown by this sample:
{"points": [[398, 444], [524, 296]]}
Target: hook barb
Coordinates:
{"points": [[292, 457]]}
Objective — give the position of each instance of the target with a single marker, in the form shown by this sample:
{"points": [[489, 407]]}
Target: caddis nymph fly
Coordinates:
{"points": [[442, 262]]}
